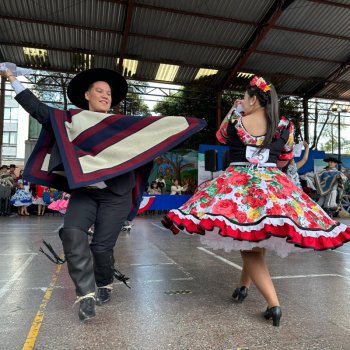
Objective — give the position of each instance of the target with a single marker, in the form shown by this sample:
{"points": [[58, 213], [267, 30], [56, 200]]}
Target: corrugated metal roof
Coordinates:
{"points": [[242, 9], [173, 25], [313, 46], [288, 85], [60, 37], [91, 13], [302, 47], [60, 60], [317, 17], [180, 53], [291, 66]]}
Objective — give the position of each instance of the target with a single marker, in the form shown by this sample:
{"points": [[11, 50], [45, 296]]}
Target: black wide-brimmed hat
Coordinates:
{"points": [[332, 159], [81, 82]]}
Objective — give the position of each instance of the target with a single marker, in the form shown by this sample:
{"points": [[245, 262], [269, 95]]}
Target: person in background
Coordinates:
{"points": [[330, 186], [345, 172], [292, 167], [22, 199], [26, 184], [253, 206], [12, 171], [153, 189], [161, 183], [38, 199], [176, 188], [6, 185]]}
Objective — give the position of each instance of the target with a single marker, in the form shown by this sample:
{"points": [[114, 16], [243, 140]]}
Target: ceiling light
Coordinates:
{"points": [[166, 72], [245, 75], [36, 57], [129, 67], [205, 72]]}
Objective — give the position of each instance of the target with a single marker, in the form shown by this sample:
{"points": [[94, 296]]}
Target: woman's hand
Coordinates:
{"points": [[306, 145], [237, 102], [233, 108]]}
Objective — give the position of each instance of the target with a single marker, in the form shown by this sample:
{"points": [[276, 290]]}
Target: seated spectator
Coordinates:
{"points": [[153, 189], [176, 188]]}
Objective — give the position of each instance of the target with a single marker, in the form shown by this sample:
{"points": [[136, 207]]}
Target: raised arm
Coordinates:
{"points": [[303, 160], [233, 114], [37, 109]]}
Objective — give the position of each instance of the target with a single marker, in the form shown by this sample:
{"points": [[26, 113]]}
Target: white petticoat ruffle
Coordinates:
{"points": [[279, 245]]}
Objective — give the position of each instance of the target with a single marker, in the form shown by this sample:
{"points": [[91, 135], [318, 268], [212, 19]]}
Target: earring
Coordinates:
{"points": [[250, 104]]}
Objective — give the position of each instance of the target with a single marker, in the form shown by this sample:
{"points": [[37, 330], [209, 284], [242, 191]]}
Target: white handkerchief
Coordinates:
{"points": [[17, 71], [297, 149]]}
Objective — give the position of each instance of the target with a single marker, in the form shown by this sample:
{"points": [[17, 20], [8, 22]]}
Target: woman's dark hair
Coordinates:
{"points": [[268, 100]]}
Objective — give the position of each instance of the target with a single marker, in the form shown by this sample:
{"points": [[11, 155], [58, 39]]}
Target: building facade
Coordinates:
{"points": [[16, 124]]}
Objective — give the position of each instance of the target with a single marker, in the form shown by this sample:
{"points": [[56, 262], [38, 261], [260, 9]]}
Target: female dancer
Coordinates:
{"points": [[253, 206]]}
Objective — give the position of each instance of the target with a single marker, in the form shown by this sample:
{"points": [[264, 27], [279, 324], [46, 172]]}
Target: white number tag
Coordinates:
{"points": [[256, 155]]}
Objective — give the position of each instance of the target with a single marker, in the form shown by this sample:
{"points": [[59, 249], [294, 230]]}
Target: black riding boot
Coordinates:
{"points": [[103, 268], [77, 252]]}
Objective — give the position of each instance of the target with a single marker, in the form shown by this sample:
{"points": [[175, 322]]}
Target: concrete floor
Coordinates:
{"points": [[180, 296]]}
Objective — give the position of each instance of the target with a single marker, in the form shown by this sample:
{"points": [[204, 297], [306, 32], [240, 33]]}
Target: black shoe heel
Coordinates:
{"points": [[240, 294], [275, 313]]}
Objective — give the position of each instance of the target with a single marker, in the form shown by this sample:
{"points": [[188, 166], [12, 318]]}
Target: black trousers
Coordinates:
{"points": [[101, 207]]}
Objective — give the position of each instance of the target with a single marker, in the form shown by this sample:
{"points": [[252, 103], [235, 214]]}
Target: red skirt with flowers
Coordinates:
{"points": [[250, 206]]}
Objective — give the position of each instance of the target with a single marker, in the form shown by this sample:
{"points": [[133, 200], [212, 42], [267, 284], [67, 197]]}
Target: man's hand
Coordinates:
{"points": [[8, 74]]}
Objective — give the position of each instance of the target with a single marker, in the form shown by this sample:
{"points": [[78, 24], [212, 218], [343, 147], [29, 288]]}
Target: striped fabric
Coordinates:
{"points": [[97, 146]]}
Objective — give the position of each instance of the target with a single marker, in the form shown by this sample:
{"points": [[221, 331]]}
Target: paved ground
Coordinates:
{"points": [[180, 296]]}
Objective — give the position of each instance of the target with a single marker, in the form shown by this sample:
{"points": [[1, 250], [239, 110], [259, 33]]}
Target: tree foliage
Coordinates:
{"points": [[196, 102], [51, 87], [134, 105]]}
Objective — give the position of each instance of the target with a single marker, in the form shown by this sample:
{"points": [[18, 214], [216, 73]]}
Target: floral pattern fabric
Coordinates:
{"points": [[247, 139], [255, 206], [251, 203]]}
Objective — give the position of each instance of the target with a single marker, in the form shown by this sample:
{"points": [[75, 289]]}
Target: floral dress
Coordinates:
{"points": [[256, 205]]}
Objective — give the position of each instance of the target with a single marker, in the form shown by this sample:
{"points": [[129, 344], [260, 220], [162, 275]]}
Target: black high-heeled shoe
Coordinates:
{"points": [[240, 294], [275, 313]]}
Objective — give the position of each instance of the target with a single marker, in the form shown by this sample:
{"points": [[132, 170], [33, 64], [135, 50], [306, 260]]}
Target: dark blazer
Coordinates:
{"points": [[40, 111]]}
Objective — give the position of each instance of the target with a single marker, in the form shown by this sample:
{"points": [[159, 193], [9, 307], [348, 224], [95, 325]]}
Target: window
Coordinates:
{"points": [[9, 138], [11, 114], [9, 152]]}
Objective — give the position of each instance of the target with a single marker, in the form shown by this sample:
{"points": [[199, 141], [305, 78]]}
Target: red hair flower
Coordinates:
{"points": [[260, 83]]}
